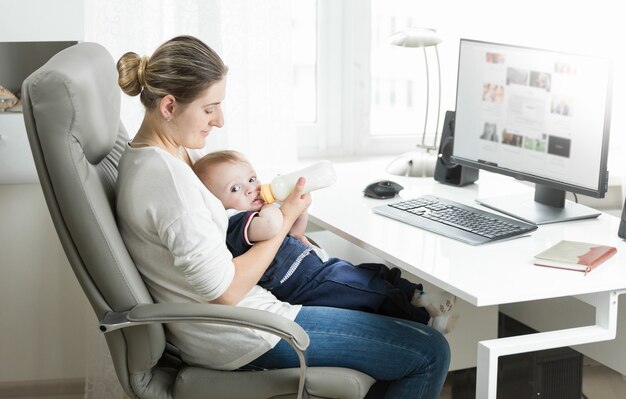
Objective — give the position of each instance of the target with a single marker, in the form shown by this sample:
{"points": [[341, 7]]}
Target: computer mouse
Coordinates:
{"points": [[382, 189]]}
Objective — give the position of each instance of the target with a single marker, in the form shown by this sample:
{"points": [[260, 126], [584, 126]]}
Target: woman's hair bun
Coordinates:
{"points": [[132, 73]]}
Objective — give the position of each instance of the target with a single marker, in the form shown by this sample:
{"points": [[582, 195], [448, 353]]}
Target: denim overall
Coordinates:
{"points": [[297, 275]]}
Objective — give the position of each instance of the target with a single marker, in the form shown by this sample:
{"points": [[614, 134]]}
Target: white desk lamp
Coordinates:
{"points": [[422, 162]]}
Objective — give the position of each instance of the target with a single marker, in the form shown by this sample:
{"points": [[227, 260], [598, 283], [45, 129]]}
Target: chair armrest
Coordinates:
{"points": [[207, 313], [217, 314]]}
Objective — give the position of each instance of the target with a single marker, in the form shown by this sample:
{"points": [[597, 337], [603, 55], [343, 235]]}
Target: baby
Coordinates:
{"points": [[300, 273]]}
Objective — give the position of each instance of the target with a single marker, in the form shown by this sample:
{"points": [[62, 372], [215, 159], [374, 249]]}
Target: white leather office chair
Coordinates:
{"points": [[72, 115]]}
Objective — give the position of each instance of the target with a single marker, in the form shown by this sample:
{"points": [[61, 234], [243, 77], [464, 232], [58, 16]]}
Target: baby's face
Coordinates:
{"points": [[236, 185]]}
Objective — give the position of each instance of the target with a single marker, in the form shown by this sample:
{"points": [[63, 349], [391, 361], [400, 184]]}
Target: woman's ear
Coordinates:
{"points": [[166, 107]]}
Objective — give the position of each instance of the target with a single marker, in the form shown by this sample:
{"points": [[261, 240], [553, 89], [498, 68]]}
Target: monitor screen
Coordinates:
{"points": [[537, 115]]}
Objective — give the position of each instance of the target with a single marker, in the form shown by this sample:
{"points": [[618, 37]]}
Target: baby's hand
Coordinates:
{"points": [[266, 224], [303, 239]]}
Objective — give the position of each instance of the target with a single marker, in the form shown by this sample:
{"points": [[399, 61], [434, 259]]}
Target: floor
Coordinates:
{"points": [[599, 382]]}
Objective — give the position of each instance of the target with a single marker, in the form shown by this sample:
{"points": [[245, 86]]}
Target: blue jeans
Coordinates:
{"points": [[411, 357]]}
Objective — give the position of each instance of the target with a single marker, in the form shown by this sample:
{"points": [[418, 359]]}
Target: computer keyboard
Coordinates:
{"points": [[455, 220]]}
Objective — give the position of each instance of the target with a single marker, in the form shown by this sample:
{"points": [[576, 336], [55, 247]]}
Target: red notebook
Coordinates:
{"points": [[575, 255]]}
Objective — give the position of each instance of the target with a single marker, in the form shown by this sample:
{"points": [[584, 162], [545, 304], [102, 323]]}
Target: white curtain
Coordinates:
{"points": [[256, 44], [254, 39]]}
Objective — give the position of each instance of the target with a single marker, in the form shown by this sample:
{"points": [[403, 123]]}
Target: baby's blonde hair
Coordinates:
{"points": [[202, 167]]}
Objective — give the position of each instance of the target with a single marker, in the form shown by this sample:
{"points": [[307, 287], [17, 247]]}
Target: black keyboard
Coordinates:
{"points": [[454, 220]]}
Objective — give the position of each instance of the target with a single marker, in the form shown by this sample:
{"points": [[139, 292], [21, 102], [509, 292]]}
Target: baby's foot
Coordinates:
{"points": [[444, 324], [436, 304]]}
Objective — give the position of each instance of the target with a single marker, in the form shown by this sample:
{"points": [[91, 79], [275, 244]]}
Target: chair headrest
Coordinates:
{"points": [[81, 83]]}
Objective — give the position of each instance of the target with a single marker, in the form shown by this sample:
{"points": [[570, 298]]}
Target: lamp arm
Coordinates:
{"points": [[427, 97], [438, 97]]}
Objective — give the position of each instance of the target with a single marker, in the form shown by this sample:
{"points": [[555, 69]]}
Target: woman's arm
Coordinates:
{"points": [[250, 266], [266, 224]]}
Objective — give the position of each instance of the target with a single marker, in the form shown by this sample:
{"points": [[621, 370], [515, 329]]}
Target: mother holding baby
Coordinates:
{"points": [[175, 230]]}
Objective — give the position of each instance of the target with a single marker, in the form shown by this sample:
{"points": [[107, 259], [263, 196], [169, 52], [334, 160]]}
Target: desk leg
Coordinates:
{"points": [[490, 350]]}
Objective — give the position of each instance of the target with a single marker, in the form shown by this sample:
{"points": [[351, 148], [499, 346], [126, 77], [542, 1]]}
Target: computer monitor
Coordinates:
{"points": [[537, 115]]}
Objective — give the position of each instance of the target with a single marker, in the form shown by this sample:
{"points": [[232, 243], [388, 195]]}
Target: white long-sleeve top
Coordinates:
{"points": [[175, 231]]}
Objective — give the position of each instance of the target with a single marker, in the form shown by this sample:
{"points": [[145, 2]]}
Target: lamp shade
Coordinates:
{"points": [[415, 37]]}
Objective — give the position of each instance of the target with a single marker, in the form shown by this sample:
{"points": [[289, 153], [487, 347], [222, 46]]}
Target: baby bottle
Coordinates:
{"points": [[318, 175]]}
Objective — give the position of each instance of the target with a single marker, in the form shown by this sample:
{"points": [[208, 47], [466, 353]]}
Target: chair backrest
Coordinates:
{"points": [[72, 114]]}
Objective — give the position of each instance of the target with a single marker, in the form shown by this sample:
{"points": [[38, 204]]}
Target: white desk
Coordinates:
{"points": [[490, 274]]}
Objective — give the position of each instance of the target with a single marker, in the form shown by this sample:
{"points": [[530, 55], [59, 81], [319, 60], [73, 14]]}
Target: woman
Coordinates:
{"points": [[175, 230]]}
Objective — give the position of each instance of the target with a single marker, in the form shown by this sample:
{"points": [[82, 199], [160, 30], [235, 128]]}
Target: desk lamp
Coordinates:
{"points": [[422, 162]]}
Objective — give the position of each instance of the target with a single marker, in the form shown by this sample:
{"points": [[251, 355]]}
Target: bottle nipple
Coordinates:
{"points": [[266, 194]]}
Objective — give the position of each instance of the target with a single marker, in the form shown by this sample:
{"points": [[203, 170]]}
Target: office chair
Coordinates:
{"points": [[72, 114]]}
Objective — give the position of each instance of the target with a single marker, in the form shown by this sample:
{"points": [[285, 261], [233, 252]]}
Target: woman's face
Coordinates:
{"points": [[194, 121]]}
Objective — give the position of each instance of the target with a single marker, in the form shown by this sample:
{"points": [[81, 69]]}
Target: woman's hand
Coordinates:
{"points": [[296, 203]]}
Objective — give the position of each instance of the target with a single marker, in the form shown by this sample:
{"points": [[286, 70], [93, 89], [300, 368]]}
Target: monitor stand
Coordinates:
{"points": [[548, 206]]}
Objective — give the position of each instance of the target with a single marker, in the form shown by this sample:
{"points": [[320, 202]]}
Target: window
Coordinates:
{"points": [[398, 76], [365, 99], [369, 96]]}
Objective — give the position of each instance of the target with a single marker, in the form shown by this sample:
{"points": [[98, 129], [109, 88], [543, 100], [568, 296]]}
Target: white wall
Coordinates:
{"points": [[43, 311]]}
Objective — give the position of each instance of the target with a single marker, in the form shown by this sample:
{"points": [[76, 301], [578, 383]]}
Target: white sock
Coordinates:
{"points": [[444, 324], [436, 304]]}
